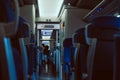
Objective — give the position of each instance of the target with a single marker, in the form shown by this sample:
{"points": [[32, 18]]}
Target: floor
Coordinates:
{"points": [[48, 72]]}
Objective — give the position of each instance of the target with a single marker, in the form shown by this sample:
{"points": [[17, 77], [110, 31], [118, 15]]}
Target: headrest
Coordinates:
{"points": [[7, 12], [23, 29], [79, 36], [104, 27], [67, 42]]}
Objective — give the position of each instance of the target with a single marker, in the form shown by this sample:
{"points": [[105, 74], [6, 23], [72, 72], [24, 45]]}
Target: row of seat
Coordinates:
{"points": [[95, 50], [16, 56], [8, 27]]}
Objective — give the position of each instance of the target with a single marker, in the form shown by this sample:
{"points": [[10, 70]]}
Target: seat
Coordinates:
{"points": [[31, 54], [20, 49], [116, 57], [8, 27], [80, 54], [68, 57], [99, 37]]}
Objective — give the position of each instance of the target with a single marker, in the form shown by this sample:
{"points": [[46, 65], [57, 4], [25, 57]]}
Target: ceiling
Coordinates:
{"points": [[49, 8]]}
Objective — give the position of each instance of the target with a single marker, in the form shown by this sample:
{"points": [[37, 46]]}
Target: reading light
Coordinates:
{"points": [[118, 15], [49, 8]]}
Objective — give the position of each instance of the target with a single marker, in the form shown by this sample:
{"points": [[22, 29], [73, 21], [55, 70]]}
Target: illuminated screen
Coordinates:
{"points": [[46, 32]]}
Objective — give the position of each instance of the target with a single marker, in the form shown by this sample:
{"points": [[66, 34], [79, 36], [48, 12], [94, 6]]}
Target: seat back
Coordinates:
{"points": [[102, 47], [8, 27], [31, 54], [19, 45], [116, 57], [67, 44], [80, 54], [24, 33]]}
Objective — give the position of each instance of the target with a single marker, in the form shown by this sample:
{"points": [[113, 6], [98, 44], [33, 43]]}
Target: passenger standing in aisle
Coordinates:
{"points": [[46, 52], [42, 51]]}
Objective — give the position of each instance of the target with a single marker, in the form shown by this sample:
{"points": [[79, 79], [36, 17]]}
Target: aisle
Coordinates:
{"points": [[47, 72]]}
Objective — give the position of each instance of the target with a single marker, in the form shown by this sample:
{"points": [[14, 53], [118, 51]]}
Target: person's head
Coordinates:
{"points": [[46, 47], [43, 45]]}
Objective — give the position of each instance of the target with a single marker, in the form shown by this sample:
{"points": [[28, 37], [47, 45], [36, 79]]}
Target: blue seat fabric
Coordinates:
{"points": [[21, 33], [68, 56]]}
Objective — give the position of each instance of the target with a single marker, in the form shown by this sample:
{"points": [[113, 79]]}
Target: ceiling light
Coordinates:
{"points": [[45, 37], [49, 8]]}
